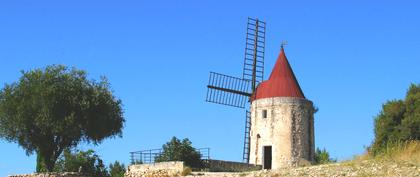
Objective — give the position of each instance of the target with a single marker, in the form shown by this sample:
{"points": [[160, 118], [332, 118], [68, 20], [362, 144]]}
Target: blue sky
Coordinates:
{"points": [[348, 56]]}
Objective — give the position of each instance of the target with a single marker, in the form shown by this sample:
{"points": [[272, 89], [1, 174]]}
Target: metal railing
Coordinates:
{"points": [[149, 156], [204, 153], [145, 156]]}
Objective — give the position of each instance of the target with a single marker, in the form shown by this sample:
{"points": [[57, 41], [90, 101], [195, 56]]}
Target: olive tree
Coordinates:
{"points": [[54, 108]]}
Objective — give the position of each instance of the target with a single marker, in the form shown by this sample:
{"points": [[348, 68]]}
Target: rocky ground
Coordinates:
{"points": [[351, 168]]}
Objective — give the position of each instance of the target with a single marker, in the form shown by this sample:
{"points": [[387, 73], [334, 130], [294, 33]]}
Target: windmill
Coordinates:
{"points": [[235, 91]]}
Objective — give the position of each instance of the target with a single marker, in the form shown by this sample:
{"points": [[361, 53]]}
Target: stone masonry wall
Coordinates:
{"points": [[228, 166], [65, 174], [288, 129], [155, 169]]}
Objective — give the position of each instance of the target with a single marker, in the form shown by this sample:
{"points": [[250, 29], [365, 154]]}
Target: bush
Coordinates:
{"points": [[116, 169], [86, 162], [177, 150], [323, 157], [136, 162], [398, 121]]}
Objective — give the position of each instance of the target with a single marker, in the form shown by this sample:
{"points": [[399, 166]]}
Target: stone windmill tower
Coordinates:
{"points": [[279, 128], [282, 121]]}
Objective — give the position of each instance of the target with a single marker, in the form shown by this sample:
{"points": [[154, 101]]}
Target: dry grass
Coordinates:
{"points": [[405, 152], [186, 171], [391, 161], [399, 152]]}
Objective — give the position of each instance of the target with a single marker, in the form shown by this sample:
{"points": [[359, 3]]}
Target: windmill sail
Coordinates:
{"points": [[247, 139], [254, 52], [236, 92], [228, 90]]}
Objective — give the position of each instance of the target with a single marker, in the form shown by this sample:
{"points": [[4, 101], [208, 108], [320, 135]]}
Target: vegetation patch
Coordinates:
{"points": [[397, 123], [177, 150]]}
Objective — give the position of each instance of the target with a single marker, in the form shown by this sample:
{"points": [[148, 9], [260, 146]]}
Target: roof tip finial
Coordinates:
{"points": [[283, 43]]}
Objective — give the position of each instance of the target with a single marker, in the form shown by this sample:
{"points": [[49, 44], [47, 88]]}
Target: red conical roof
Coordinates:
{"points": [[282, 81]]}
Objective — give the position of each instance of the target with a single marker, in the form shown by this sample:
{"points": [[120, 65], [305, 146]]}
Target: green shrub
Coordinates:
{"points": [[116, 169], [86, 162], [136, 162], [323, 157], [398, 121], [177, 150]]}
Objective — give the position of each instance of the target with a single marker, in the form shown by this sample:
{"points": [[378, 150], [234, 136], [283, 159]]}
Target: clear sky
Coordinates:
{"points": [[348, 56]]}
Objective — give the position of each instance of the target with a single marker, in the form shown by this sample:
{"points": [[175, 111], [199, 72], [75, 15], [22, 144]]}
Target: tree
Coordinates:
{"points": [[411, 121], [399, 120], [116, 169], [52, 109], [86, 162], [323, 156], [388, 126], [177, 150]]}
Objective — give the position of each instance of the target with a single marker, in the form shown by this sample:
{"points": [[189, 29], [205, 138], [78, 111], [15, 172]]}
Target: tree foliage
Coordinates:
{"points": [[323, 156], [116, 169], [86, 162], [177, 150], [399, 120], [52, 109]]}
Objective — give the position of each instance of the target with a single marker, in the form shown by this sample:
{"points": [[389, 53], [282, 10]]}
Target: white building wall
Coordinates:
{"points": [[288, 128]]}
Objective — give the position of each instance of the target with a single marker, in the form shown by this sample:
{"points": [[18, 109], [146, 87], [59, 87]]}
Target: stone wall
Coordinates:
{"points": [[65, 174], [155, 169], [288, 129], [228, 166]]}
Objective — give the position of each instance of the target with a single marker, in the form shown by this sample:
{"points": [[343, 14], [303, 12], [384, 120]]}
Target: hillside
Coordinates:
{"points": [[360, 168], [398, 161]]}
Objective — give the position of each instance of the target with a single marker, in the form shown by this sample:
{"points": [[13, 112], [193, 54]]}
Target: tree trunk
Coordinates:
{"points": [[40, 166], [44, 163]]}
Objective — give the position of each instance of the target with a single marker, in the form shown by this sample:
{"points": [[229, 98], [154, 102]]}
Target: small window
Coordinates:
{"points": [[264, 113]]}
